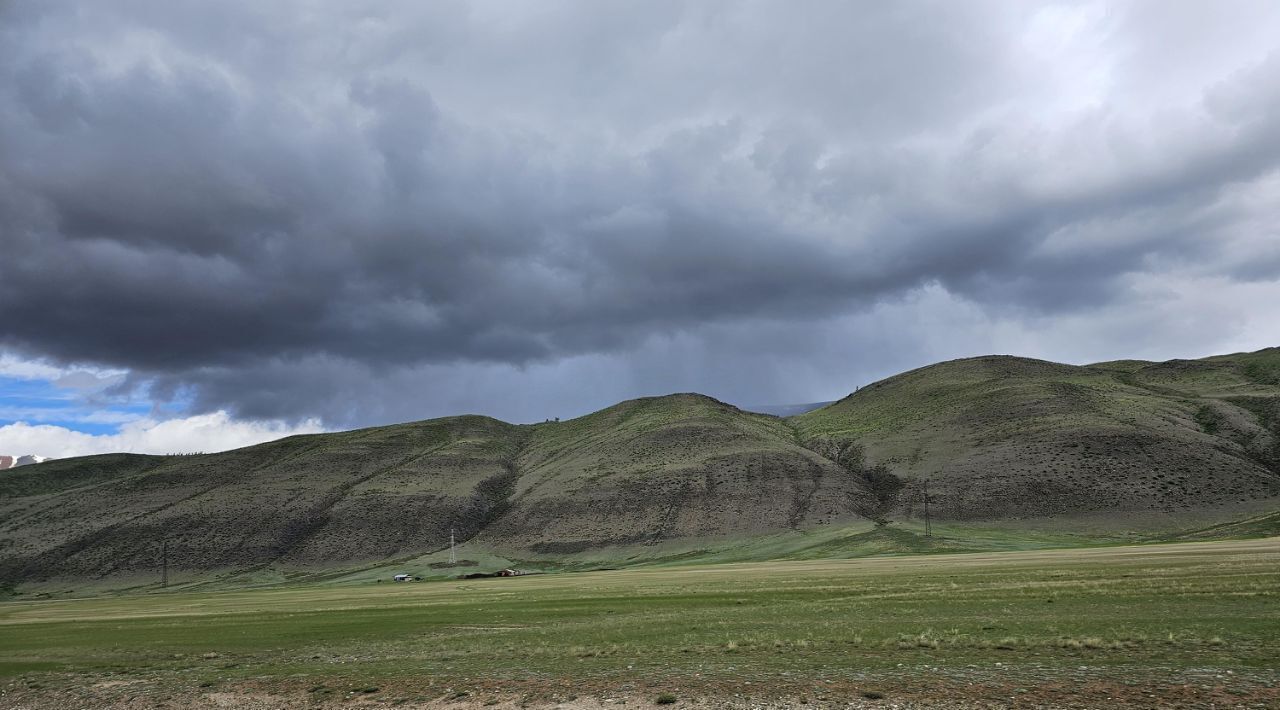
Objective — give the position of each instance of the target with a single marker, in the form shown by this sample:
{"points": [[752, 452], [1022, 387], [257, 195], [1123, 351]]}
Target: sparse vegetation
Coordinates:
{"points": [[1016, 452], [868, 625], [1208, 419]]}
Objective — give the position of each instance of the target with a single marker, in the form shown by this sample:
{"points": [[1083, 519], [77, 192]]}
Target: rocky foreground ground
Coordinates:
{"points": [[1001, 687]]}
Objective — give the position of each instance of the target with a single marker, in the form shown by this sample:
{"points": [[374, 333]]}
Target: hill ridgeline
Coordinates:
{"points": [[998, 441]]}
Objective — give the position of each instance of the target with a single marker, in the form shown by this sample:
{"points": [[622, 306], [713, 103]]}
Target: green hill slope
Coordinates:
{"points": [[1004, 444], [319, 500], [679, 467], [1005, 437], [682, 466]]}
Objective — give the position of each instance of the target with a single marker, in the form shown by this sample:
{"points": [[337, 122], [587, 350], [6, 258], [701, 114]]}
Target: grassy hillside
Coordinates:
{"points": [[683, 466], [1005, 437], [634, 476], [1013, 451], [319, 500]]}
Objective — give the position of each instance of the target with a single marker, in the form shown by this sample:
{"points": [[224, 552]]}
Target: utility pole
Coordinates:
{"points": [[928, 525], [164, 562], [453, 555]]}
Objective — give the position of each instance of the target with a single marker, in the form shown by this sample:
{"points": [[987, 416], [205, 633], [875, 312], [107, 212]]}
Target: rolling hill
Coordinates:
{"points": [[999, 441], [1002, 437], [682, 466]]}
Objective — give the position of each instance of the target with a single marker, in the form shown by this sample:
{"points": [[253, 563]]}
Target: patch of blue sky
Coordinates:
{"points": [[42, 401]]}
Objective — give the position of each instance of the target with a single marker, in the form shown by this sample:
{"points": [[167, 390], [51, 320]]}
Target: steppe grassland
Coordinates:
{"points": [[1129, 612]]}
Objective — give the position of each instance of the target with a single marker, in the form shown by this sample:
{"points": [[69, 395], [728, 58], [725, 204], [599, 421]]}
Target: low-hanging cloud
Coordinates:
{"points": [[205, 433], [299, 211]]}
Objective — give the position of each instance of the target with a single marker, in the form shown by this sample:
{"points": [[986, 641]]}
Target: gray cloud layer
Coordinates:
{"points": [[369, 212]]}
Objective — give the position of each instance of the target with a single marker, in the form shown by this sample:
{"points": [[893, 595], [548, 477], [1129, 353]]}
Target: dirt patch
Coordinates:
{"points": [[450, 565], [114, 683], [922, 687]]}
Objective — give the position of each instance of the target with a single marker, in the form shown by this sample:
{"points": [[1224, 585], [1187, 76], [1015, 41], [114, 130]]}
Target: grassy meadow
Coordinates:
{"points": [[1152, 624]]}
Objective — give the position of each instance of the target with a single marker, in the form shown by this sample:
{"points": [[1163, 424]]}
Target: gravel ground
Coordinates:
{"points": [[922, 687]]}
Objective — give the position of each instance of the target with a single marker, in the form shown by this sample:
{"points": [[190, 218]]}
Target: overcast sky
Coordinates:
{"points": [[224, 222]]}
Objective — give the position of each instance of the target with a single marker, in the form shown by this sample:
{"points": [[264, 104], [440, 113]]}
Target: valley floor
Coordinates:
{"points": [[1176, 625]]}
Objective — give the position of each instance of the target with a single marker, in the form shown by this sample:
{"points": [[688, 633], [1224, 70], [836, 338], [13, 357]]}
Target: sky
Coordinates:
{"points": [[222, 223]]}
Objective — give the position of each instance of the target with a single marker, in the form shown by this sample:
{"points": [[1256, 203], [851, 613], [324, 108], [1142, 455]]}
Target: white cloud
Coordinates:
{"points": [[77, 377], [207, 433], [13, 366]]}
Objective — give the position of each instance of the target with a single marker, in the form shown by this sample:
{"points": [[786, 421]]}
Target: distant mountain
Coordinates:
{"points": [[785, 410], [1001, 443], [7, 462]]}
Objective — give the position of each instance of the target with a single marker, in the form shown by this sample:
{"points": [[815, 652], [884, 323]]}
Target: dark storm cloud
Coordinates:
{"points": [[295, 210]]}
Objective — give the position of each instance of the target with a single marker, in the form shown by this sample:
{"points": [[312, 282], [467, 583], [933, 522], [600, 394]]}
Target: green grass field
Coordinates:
{"points": [[1155, 625]]}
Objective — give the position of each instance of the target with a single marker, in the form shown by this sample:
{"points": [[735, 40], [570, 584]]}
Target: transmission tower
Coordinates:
{"points": [[164, 562], [928, 524], [453, 555]]}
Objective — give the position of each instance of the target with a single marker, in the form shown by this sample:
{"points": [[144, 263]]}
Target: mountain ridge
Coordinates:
{"points": [[8, 462], [997, 440]]}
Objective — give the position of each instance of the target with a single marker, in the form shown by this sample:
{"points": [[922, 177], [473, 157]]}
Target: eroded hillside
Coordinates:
{"points": [[320, 500], [997, 439], [1004, 437], [682, 466]]}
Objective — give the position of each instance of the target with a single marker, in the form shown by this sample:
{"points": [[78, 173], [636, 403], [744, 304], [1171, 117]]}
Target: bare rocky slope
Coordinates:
{"points": [[7, 462], [998, 439]]}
